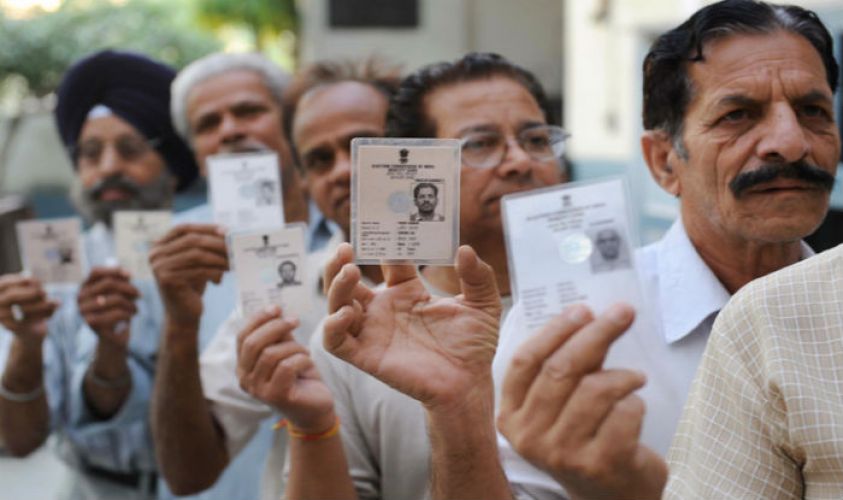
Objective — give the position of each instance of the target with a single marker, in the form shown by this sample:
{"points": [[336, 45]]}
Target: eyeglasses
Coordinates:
{"points": [[488, 149], [128, 147]]}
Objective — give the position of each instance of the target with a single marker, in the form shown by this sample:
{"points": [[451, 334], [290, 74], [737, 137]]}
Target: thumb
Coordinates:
{"points": [[477, 279]]}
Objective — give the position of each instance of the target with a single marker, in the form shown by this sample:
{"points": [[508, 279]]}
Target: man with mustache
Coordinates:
{"points": [[326, 105], [426, 197], [739, 119], [79, 358]]}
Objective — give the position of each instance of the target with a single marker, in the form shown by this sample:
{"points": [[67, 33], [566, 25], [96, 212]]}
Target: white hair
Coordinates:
{"points": [[275, 78]]}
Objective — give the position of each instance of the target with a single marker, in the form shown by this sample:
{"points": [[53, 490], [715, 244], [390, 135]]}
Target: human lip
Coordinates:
{"points": [[114, 194], [782, 185]]}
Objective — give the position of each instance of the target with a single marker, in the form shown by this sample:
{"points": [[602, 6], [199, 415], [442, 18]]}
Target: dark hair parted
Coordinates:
{"points": [[668, 88], [406, 116], [372, 71]]}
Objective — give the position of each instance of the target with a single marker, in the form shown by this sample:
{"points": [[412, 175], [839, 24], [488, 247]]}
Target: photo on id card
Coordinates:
{"points": [[270, 267], [135, 231], [570, 243], [51, 249], [405, 200], [245, 190]]}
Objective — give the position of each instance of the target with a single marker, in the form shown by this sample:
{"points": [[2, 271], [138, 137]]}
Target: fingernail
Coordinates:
{"points": [[271, 309], [578, 313], [619, 314]]}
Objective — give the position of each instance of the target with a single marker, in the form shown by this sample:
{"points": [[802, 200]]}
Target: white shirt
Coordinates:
{"points": [[684, 298]]}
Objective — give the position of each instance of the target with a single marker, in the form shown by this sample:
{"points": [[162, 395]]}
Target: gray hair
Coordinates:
{"points": [[275, 78]]}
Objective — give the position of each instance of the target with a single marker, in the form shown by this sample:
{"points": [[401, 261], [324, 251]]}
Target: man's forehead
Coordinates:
{"points": [[751, 64], [228, 89]]}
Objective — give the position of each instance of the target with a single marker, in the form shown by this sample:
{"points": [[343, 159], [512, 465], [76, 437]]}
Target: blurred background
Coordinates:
{"points": [[587, 53]]}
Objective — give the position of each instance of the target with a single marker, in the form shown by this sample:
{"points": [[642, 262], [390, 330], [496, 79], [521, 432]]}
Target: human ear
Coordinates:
{"points": [[660, 155]]}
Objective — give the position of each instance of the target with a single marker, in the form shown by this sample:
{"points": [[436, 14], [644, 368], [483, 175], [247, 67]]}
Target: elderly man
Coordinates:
{"points": [[74, 369], [354, 435], [738, 107], [325, 106]]}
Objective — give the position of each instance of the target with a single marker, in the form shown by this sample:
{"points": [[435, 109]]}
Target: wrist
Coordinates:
{"points": [[472, 398], [109, 364], [181, 332], [317, 425]]}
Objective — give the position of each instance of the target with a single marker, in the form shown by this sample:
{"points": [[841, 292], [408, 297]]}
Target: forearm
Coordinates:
{"points": [[464, 453], [318, 469], [107, 381], [24, 426], [190, 447]]}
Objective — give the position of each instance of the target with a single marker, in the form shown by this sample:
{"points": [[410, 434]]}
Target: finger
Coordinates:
{"points": [[103, 303], [583, 353], [338, 338], [188, 258], [256, 320], [275, 331], [182, 230], [32, 312], [342, 288], [594, 398], [98, 273], [621, 430], [477, 279], [530, 357], [22, 295], [272, 356], [105, 322], [192, 276], [344, 255], [109, 285], [395, 274], [15, 280]]}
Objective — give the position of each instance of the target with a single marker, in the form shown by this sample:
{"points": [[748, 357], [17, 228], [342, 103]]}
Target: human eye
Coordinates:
{"points": [[318, 161], [206, 124], [89, 151], [735, 116], [815, 111], [249, 109], [480, 142], [537, 139]]}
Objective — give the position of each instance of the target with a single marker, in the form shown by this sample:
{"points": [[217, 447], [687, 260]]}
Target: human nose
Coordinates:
{"points": [[341, 172], [111, 162], [784, 139], [231, 129], [516, 161]]}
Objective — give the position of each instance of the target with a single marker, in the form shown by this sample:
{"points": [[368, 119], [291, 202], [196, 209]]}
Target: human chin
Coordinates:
{"points": [[785, 217]]}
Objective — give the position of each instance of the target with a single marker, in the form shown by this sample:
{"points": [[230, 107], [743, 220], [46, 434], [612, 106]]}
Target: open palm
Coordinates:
{"points": [[431, 349]]}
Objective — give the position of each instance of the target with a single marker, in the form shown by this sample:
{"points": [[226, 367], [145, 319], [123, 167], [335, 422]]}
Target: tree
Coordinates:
{"points": [[263, 18], [42, 47]]}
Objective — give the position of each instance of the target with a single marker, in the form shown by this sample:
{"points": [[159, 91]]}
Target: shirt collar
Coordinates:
{"points": [[320, 229], [688, 289]]}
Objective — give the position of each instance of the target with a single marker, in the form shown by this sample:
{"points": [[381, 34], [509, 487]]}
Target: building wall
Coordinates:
{"points": [[527, 31]]}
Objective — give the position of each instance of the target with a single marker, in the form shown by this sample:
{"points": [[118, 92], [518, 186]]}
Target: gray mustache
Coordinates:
{"points": [[799, 170]]}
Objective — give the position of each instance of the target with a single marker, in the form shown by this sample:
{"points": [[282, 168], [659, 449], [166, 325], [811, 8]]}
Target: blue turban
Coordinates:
{"points": [[133, 87]]}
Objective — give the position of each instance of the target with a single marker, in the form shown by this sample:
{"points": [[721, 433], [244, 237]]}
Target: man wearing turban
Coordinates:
{"points": [[79, 359]]}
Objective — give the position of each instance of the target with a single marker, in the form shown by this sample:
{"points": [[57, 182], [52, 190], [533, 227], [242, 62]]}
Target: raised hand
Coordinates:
{"points": [[432, 349], [274, 368], [107, 303], [184, 261], [565, 414], [25, 307]]}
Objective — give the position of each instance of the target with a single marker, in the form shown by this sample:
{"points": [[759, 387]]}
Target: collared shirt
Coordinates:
{"points": [[666, 342], [765, 413]]}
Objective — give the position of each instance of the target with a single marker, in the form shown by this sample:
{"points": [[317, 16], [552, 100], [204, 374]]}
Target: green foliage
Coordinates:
{"points": [[262, 17], [42, 47]]}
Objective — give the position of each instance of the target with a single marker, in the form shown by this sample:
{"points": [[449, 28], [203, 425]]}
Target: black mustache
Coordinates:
{"points": [[797, 170], [115, 181]]}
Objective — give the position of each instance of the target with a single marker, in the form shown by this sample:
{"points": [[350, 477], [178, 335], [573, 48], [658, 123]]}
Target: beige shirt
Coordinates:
{"points": [[764, 418]]}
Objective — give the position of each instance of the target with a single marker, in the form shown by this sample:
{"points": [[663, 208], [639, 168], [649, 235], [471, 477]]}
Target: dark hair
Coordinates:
{"points": [[406, 116], [371, 71], [290, 262], [667, 86], [421, 185]]}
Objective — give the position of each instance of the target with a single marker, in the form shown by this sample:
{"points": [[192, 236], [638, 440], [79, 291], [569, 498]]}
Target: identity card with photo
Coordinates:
{"points": [[245, 191], [270, 267], [51, 249], [135, 231], [570, 244], [405, 200]]}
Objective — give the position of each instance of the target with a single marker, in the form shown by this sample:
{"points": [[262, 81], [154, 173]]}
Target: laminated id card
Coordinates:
{"points": [[568, 244], [270, 267], [135, 231], [405, 200], [245, 191], [51, 249]]}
